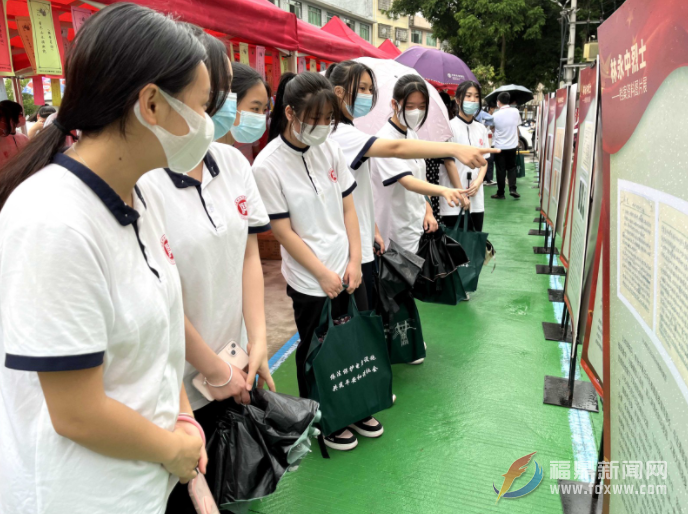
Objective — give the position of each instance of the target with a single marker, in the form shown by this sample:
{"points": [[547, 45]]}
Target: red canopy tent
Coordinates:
{"points": [[257, 21], [338, 28], [390, 49], [313, 41]]}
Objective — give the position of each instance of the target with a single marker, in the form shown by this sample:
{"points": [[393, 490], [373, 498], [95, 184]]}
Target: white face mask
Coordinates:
{"points": [[312, 136], [412, 118], [185, 152]]}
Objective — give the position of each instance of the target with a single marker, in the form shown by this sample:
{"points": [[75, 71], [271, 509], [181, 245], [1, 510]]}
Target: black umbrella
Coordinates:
{"points": [[519, 94]]}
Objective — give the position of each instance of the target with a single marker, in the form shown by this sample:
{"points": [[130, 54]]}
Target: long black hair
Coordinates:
{"points": [[244, 79], [462, 90], [347, 74], [218, 67], [309, 95], [405, 87], [117, 52]]}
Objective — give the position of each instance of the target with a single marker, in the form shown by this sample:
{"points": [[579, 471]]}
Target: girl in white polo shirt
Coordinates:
{"points": [[354, 85], [466, 131], [306, 187], [91, 319], [213, 216]]}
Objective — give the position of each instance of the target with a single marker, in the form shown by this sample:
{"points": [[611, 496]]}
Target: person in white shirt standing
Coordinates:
{"points": [[468, 131], [91, 315], [354, 85], [307, 189], [506, 122], [213, 216]]}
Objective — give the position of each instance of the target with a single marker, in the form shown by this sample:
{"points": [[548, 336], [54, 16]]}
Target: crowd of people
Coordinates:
{"points": [[129, 259]]}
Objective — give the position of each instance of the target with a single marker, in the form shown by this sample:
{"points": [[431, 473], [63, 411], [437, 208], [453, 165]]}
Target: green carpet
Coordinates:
{"points": [[466, 414]]}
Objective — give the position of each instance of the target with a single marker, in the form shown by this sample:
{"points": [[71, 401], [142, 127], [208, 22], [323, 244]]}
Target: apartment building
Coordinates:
{"points": [[356, 14]]}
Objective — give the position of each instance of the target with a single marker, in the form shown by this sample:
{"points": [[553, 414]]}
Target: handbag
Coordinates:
{"points": [[443, 256], [347, 368], [474, 243]]}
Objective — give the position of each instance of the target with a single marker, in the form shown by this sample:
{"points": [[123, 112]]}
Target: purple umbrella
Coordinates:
{"points": [[441, 69]]}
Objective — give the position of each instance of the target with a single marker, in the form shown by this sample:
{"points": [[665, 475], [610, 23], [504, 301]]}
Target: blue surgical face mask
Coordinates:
{"points": [[251, 127], [362, 106], [224, 118], [470, 108]]}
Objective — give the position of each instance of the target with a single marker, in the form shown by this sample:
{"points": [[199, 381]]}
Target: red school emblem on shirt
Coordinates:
{"points": [[333, 175], [167, 248], [481, 142], [242, 206]]}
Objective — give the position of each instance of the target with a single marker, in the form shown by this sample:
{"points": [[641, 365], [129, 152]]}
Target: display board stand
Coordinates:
{"points": [[569, 392], [550, 269], [559, 332], [587, 500]]}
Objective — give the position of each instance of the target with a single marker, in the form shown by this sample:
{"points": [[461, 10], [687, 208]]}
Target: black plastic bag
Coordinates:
{"points": [[443, 256], [398, 270], [254, 445]]}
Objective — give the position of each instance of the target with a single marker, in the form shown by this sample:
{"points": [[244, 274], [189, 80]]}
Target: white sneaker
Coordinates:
{"points": [[420, 361], [368, 427], [394, 399], [342, 440]]}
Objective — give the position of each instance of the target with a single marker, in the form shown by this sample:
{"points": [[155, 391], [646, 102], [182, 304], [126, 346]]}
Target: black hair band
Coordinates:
{"points": [[61, 128]]}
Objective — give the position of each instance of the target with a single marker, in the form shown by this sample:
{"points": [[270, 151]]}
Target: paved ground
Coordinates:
{"points": [[469, 411]]}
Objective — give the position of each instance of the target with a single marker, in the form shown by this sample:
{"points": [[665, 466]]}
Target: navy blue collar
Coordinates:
{"points": [[181, 181], [466, 122], [295, 148], [124, 214], [405, 132]]}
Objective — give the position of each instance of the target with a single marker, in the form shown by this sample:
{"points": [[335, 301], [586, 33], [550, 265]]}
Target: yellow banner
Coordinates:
{"points": [[243, 53], [283, 65], [45, 44], [56, 91]]}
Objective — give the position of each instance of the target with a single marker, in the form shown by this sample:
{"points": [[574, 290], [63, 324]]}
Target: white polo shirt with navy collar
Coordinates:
{"points": [[307, 185], [470, 133], [208, 224], [399, 213], [85, 281], [355, 144]]}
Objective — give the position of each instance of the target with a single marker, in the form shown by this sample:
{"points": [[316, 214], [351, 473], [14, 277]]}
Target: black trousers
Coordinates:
{"points": [[179, 501], [307, 310], [476, 217], [489, 175], [369, 269], [506, 164]]}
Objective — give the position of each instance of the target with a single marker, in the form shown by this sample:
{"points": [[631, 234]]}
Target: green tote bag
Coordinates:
{"points": [[474, 244], [347, 368], [404, 333]]}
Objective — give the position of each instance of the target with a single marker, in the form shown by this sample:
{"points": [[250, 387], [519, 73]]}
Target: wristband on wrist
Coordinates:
{"points": [[231, 375], [188, 419]]}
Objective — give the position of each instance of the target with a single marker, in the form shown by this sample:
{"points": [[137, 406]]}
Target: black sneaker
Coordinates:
{"points": [[342, 440], [498, 197], [514, 194], [368, 427]]}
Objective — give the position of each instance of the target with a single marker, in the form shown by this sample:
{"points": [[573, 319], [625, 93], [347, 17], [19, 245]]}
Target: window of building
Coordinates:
{"points": [[330, 15], [384, 5], [348, 22], [401, 35], [314, 16], [384, 31], [295, 8], [417, 37], [364, 31], [431, 40]]}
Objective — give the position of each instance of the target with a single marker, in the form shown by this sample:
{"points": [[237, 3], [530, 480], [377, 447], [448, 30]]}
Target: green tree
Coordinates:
{"points": [[29, 106]]}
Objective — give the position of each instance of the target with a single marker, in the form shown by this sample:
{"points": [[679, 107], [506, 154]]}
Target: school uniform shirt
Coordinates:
{"points": [[399, 212], [85, 280], [307, 185], [208, 224], [354, 144], [471, 134]]}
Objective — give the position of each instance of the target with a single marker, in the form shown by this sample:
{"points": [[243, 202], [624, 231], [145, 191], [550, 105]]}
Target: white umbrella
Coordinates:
{"points": [[387, 72]]}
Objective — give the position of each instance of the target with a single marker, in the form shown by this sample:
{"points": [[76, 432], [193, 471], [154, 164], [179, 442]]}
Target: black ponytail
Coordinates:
{"points": [[405, 87], [120, 49], [309, 95]]}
